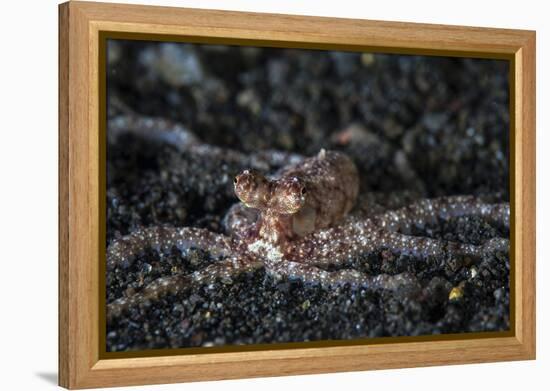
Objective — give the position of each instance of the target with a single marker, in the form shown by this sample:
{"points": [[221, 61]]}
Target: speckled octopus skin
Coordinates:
{"points": [[297, 223]]}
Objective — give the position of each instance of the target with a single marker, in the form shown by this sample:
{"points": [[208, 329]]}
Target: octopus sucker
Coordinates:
{"points": [[300, 220]]}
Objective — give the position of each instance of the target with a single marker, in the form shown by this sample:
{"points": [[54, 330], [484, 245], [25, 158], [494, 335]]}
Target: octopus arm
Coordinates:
{"points": [[274, 158], [334, 246], [266, 160], [239, 221], [429, 211], [310, 274], [185, 141], [426, 247], [225, 270], [151, 128], [123, 251]]}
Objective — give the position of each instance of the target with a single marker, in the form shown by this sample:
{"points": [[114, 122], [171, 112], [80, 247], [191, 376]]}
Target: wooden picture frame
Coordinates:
{"points": [[81, 160]]}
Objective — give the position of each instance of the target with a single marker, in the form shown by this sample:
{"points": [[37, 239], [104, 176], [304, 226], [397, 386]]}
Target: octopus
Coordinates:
{"points": [[304, 222]]}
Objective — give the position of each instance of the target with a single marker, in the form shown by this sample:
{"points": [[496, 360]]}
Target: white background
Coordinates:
{"points": [[28, 192]]}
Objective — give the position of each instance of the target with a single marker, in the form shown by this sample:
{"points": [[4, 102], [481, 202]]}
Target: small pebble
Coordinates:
{"points": [[456, 293]]}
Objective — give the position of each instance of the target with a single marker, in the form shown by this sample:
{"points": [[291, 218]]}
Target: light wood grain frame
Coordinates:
{"points": [[81, 364]]}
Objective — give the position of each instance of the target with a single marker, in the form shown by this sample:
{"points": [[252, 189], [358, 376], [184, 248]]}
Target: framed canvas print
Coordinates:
{"points": [[247, 195]]}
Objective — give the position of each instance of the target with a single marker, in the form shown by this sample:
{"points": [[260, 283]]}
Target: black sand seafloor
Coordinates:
{"points": [[415, 126]]}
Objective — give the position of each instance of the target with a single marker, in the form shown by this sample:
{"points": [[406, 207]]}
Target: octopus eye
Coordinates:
{"points": [[235, 180], [303, 192]]}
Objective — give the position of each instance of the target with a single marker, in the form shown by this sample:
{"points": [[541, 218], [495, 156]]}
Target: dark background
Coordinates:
{"points": [[446, 118]]}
